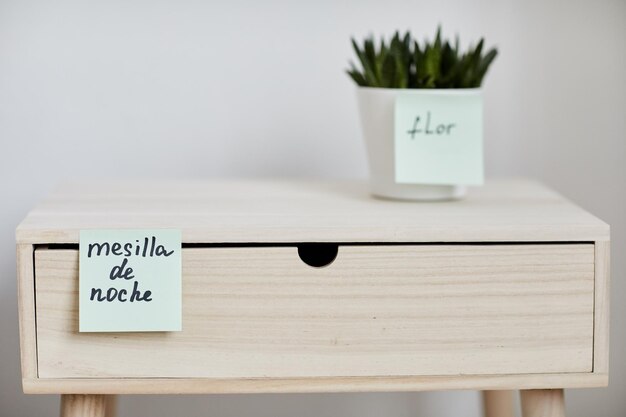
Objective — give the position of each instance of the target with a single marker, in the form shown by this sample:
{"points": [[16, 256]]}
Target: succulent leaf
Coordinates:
{"points": [[404, 63]]}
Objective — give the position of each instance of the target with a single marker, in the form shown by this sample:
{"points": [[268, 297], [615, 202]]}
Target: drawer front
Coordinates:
{"points": [[260, 312]]}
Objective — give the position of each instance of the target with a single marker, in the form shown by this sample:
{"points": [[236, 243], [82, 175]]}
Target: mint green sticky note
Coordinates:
{"points": [[130, 281], [439, 137]]}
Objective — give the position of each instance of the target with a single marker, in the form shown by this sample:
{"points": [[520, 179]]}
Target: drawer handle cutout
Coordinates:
{"points": [[318, 255]]}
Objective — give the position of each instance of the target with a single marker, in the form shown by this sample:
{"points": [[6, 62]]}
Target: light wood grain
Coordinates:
{"points": [[602, 307], [307, 211], [520, 320], [376, 311], [26, 310], [73, 405], [543, 403], [498, 403], [310, 385]]}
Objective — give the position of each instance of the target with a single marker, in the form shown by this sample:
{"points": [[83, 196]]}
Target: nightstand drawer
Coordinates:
{"points": [[377, 310]]}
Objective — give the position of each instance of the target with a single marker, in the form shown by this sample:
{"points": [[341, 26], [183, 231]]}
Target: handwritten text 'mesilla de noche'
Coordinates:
{"points": [[147, 248]]}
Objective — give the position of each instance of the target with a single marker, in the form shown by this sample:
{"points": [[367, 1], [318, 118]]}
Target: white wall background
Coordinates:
{"points": [[248, 88]]}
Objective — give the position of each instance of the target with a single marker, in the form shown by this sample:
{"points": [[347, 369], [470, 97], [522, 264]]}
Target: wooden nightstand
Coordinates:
{"points": [[507, 289]]}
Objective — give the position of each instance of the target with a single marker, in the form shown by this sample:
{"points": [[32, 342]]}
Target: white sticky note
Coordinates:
{"points": [[130, 281], [439, 138]]}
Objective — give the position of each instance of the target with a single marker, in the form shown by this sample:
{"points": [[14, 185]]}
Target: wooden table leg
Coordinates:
{"points": [[79, 405], [111, 405], [498, 404], [543, 403]]}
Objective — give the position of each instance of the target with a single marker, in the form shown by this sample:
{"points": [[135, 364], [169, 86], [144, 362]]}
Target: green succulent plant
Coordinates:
{"points": [[404, 63]]}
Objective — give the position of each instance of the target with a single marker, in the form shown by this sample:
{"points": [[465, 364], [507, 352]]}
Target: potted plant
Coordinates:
{"points": [[421, 115]]}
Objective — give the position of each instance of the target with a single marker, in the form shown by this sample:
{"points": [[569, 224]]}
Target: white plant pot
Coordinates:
{"points": [[376, 108]]}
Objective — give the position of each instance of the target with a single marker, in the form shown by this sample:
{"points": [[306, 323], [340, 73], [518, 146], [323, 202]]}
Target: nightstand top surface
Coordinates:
{"points": [[247, 211]]}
